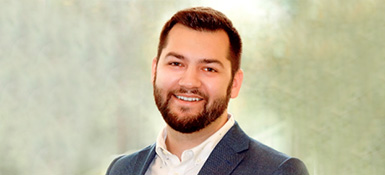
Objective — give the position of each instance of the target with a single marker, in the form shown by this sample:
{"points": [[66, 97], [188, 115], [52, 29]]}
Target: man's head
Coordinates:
{"points": [[196, 70], [205, 19]]}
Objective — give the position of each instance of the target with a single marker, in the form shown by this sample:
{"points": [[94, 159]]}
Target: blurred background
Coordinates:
{"points": [[76, 91]]}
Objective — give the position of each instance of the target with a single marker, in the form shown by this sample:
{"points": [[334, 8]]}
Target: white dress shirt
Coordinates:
{"points": [[192, 160]]}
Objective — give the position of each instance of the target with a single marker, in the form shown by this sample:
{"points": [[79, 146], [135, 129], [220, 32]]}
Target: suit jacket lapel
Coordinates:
{"points": [[229, 152], [145, 162]]}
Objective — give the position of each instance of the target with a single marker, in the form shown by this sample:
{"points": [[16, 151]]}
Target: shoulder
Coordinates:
{"points": [[129, 164], [260, 158], [292, 166], [271, 161], [263, 153]]}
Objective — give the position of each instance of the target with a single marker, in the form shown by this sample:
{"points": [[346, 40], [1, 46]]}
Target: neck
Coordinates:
{"points": [[178, 142]]}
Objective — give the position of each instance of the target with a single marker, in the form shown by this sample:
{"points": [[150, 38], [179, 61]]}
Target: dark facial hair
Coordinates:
{"points": [[193, 123]]}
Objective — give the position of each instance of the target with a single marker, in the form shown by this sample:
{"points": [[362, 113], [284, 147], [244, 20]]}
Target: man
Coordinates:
{"points": [[195, 73]]}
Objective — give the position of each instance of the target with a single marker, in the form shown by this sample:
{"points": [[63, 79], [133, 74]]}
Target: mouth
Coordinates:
{"points": [[188, 99]]}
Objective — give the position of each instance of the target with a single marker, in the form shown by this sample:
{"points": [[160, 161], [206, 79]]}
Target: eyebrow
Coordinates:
{"points": [[176, 55], [205, 60], [211, 61]]}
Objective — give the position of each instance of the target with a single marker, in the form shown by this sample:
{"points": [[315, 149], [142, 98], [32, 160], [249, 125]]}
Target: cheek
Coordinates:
{"points": [[216, 89], [165, 81]]}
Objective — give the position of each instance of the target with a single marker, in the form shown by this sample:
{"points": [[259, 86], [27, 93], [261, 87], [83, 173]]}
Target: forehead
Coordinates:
{"points": [[197, 44]]}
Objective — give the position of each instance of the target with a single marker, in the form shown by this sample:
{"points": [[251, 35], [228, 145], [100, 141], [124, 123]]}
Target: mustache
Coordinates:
{"points": [[190, 91]]}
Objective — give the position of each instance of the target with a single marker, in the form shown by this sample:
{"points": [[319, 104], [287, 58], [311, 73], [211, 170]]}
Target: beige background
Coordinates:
{"points": [[75, 88]]}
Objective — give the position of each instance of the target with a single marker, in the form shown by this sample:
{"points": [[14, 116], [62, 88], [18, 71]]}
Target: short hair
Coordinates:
{"points": [[205, 19]]}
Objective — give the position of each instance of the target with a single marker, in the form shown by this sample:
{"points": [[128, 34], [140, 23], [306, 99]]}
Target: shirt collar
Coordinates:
{"points": [[200, 152]]}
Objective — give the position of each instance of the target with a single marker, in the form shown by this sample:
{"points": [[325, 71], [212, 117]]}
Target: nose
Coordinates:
{"points": [[190, 79]]}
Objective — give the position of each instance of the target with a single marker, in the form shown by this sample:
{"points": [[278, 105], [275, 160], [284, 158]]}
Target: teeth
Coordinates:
{"points": [[188, 98]]}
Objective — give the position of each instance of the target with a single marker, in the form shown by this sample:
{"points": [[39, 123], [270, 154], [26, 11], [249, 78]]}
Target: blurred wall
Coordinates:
{"points": [[75, 88]]}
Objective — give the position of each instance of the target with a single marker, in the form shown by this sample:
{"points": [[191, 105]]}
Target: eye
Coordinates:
{"points": [[175, 64], [209, 69]]}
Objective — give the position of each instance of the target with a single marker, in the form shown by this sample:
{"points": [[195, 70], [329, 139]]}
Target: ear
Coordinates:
{"points": [[237, 82], [153, 69]]}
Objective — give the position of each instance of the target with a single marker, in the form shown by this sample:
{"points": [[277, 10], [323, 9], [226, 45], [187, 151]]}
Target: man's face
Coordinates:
{"points": [[192, 79]]}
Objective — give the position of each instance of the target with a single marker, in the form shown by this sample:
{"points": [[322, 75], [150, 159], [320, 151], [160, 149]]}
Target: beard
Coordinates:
{"points": [[194, 122]]}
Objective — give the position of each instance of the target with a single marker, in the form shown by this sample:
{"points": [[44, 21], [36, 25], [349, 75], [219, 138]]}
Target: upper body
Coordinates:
{"points": [[235, 154], [195, 74]]}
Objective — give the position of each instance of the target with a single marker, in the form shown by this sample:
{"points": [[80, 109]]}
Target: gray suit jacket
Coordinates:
{"points": [[235, 154]]}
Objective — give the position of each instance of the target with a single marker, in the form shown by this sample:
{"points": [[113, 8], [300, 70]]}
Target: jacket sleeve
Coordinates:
{"points": [[292, 166]]}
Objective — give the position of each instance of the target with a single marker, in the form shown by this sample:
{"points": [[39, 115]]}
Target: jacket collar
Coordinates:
{"points": [[142, 166], [227, 154]]}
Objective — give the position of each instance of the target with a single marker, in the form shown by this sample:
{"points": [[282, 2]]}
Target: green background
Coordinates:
{"points": [[75, 81]]}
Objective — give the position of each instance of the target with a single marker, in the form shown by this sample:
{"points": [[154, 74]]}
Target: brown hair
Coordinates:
{"points": [[205, 19]]}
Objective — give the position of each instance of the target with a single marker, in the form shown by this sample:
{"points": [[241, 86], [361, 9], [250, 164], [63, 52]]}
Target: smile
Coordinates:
{"points": [[190, 99]]}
